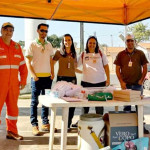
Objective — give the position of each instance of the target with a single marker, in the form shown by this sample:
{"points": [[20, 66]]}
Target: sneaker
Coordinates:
{"points": [[146, 131], [35, 131], [14, 136]]}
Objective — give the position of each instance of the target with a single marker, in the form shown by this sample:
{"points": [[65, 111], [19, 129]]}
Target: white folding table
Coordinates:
{"points": [[55, 103]]}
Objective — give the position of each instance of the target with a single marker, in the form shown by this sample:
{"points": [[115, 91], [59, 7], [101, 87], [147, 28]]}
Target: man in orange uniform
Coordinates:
{"points": [[11, 64]]}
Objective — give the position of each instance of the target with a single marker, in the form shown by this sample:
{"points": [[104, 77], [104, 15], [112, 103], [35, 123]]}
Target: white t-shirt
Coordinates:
{"points": [[93, 70], [41, 57]]}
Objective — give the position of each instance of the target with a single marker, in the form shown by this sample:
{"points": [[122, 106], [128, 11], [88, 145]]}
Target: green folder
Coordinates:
{"points": [[100, 96]]}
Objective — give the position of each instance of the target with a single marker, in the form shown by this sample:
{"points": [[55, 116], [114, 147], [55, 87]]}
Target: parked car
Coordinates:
{"points": [[146, 83]]}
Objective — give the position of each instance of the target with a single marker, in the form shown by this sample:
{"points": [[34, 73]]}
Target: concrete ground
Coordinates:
{"points": [[31, 142]]}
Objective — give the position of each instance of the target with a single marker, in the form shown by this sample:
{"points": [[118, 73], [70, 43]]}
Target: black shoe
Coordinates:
{"points": [[75, 125], [127, 109], [69, 130], [146, 131]]}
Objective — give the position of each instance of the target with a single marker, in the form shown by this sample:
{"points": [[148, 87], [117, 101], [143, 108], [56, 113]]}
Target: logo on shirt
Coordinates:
{"points": [[16, 46], [1, 48], [17, 56], [87, 58], [95, 57], [4, 56]]}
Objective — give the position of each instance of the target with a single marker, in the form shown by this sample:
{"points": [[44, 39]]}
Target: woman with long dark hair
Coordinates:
{"points": [[95, 67], [66, 58]]}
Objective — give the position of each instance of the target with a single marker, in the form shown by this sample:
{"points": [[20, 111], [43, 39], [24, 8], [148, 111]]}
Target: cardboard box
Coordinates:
{"points": [[127, 95], [120, 126]]}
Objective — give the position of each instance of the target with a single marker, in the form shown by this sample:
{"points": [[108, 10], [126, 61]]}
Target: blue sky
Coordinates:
{"points": [[106, 34]]}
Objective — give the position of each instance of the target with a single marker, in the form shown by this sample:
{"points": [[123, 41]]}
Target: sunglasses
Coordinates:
{"points": [[8, 30], [130, 40], [46, 31]]}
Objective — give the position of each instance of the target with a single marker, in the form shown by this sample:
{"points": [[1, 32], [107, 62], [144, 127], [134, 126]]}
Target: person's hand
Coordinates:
{"points": [[52, 76], [107, 82], [123, 85], [35, 78], [140, 82], [22, 86]]}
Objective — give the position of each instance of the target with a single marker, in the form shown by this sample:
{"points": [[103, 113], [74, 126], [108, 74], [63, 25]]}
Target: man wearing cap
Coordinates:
{"points": [[39, 63], [12, 64], [131, 67]]}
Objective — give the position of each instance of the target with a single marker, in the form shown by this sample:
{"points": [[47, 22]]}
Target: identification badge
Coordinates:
{"points": [[68, 65], [94, 61], [130, 64]]}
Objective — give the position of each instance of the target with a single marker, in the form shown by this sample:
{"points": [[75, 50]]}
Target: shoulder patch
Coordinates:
{"points": [[16, 45]]}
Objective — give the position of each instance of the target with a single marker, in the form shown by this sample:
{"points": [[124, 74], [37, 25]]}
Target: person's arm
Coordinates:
{"points": [[30, 68], [140, 82], [78, 71], [122, 83], [106, 68], [23, 72], [52, 63], [78, 62]]}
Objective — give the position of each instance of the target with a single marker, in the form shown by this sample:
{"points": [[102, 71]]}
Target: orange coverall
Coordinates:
{"points": [[12, 64]]}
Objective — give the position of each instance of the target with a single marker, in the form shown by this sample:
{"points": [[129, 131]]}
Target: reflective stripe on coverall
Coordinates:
{"points": [[12, 64]]}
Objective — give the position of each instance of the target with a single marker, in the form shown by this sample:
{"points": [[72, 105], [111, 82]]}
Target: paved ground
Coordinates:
{"points": [[31, 142]]}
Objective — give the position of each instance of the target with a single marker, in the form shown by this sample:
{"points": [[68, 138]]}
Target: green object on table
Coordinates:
{"points": [[100, 96]]}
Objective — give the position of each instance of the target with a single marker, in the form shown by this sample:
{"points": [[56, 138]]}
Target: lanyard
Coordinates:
{"points": [[69, 57], [130, 64], [130, 55]]}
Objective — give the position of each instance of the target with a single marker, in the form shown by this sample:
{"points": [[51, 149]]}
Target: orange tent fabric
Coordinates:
{"points": [[100, 11]]}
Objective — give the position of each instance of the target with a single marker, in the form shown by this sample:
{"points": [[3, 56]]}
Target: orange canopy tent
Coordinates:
{"points": [[99, 11]]}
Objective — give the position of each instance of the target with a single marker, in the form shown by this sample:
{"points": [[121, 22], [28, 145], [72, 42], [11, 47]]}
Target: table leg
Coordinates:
{"points": [[140, 120], [64, 127], [52, 128], [116, 108]]}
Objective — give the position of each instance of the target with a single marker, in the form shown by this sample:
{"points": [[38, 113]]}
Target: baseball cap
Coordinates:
{"points": [[130, 37], [7, 24]]}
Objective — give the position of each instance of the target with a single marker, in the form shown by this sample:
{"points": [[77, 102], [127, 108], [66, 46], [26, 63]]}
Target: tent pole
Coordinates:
{"points": [[125, 33], [125, 18], [125, 21], [125, 30], [56, 10], [81, 37]]}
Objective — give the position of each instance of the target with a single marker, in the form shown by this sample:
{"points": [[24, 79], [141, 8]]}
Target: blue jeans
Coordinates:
{"points": [[136, 88], [37, 88]]}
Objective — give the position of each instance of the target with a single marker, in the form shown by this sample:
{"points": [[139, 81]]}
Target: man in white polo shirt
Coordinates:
{"points": [[42, 73]]}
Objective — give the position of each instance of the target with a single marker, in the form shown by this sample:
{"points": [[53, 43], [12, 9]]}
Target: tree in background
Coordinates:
{"points": [[21, 43], [54, 40], [103, 45], [75, 44], [140, 31]]}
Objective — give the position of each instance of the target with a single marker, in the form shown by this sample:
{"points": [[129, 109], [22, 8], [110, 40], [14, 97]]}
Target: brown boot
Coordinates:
{"points": [[35, 131], [14, 136], [46, 128]]}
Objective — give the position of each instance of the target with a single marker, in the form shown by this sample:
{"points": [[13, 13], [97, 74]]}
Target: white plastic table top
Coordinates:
{"points": [[57, 102]]}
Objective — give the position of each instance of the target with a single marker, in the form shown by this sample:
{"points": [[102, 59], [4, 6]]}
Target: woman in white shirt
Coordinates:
{"points": [[95, 68]]}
